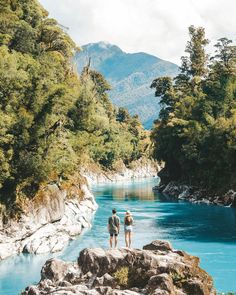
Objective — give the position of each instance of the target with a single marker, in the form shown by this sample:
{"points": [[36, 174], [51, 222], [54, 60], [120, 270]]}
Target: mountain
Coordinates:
{"points": [[130, 75]]}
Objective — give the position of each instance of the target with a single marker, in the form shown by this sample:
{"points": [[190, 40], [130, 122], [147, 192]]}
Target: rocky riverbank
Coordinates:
{"points": [[57, 215], [178, 191], [50, 222], [142, 168], [158, 269]]}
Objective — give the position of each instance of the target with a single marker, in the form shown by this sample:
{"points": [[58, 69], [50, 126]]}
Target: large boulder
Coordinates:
{"points": [[156, 269], [56, 270], [158, 245]]}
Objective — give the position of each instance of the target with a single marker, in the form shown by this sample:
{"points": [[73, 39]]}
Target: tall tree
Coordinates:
{"points": [[195, 135]]}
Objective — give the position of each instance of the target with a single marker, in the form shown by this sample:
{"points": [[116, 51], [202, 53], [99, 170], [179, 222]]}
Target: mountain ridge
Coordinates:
{"points": [[130, 75]]}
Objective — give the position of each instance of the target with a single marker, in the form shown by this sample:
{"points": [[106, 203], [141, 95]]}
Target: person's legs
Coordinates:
{"points": [[116, 240], [130, 238], [111, 239], [126, 239]]}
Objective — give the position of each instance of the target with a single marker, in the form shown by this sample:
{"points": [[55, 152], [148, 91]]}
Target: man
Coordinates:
{"points": [[113, 228]]}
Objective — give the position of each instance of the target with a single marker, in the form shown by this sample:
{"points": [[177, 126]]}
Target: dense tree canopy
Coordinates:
{"points": [[196, 132], [51, 120]]}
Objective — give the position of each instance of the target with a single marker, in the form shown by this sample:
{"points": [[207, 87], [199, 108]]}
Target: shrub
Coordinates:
{"points": [[122, 276]]}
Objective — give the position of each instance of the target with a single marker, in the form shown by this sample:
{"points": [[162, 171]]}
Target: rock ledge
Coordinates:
{"points": [[158, 269]]}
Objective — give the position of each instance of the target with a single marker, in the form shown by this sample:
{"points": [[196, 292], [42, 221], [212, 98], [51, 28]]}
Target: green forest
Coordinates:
{"points": [[196, 133], [53, 121]]}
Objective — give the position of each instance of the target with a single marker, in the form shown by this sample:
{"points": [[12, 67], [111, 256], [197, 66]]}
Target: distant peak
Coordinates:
{"points": [[102, 45]]}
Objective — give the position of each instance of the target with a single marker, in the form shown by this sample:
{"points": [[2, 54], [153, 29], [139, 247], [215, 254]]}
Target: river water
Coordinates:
{"points": [[203, 230]]}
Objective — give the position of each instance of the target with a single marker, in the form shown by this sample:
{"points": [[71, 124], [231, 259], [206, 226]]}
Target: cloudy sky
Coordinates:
{"points": [[158, 27]]}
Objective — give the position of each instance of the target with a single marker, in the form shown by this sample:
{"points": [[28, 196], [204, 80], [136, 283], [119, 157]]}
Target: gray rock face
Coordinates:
{"points": [[50, 225], [53, 206], [157, 269], [55, 270], [196, 195]]}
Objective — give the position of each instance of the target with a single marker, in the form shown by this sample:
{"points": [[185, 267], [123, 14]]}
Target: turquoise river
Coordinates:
{"points": [[206, 231]]}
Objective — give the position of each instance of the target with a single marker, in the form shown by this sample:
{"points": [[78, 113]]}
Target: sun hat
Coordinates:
{"points": [[128, 212]]}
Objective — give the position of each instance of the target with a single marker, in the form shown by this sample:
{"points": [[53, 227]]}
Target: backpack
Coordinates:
{"points": [[113, 224]]}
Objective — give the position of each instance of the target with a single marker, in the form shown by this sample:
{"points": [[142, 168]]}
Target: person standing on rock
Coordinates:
{"points": [[128, 227], [113, 228]]}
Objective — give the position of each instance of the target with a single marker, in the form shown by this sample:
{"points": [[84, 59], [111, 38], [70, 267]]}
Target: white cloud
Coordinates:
{"points": [[158, 27]]}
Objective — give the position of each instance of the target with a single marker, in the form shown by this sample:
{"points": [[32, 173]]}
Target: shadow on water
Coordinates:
{"points": [[199, 222]]}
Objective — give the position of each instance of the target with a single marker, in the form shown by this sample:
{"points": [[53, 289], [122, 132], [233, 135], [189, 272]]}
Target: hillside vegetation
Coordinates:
{"points": [[52, 121], [130, 75], [196, 132]]}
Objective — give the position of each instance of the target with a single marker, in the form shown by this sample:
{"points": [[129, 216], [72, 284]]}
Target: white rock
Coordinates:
{"points": [[50, 228], [7, 249], [142, 169]]}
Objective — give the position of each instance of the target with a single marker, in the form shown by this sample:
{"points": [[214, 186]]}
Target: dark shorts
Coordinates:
{"points": [[113, 234]]}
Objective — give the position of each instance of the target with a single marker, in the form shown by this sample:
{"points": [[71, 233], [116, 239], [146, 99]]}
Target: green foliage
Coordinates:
{"points": [[122, 276], [129, 278], [178, 278], [122, 115], [195, 135], [51, 120], [196, 50], [98, 126]]}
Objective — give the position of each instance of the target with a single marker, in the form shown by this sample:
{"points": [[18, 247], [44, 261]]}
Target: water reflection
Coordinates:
{"points": [[131, 190]]}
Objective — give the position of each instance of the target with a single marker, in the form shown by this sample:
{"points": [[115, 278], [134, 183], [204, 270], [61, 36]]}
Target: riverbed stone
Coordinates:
{"points": [[179, 191]]}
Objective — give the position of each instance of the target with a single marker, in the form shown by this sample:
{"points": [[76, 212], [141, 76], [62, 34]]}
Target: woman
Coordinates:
{"points": [[128, 223]]}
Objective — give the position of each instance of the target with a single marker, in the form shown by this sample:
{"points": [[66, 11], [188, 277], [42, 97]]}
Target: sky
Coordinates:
{"points": [[158, 27]]}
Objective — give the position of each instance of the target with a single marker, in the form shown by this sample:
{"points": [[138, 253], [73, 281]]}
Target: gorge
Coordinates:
{"points": [[198, 229], [68, 156]]}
